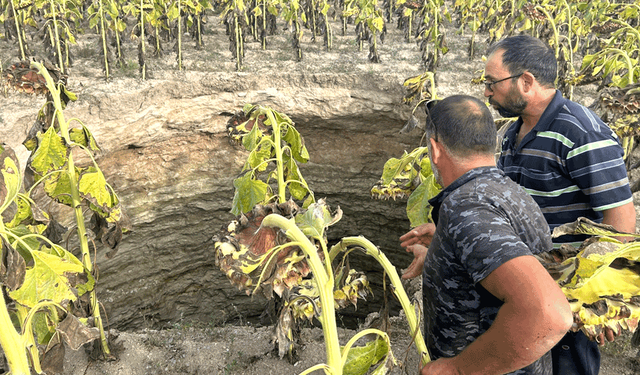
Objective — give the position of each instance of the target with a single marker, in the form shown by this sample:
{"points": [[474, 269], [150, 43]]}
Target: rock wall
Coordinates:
{"points": [[166, 153]]}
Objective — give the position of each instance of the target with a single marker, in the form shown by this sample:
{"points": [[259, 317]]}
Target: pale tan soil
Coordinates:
{"points": [[195, 348]]}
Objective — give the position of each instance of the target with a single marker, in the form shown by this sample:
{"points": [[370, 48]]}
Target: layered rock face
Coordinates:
{"points": [[166, 153]]}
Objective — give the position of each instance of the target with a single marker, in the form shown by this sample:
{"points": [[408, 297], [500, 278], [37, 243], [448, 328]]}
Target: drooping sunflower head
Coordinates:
{"points": [[257, 258], [22, 77]]}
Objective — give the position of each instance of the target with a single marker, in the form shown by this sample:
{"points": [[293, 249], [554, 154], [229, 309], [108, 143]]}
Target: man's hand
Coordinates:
{"points": [[415, 268], [608, 334], [442, 366], [422, 235]]}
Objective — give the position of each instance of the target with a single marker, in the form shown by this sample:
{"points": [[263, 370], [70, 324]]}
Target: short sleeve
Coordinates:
{"points": [[485, 238], [595, 163]]}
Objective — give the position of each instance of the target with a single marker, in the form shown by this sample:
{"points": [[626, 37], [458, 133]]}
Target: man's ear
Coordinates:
{"points": [[528, 80], [436, 151]]}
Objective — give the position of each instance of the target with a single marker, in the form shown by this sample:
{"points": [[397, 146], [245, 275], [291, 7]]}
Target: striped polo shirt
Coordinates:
{"points": [[570, 163]]}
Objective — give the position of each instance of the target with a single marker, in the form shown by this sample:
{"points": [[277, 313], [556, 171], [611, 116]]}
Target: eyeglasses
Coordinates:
{"points": [[428, 105], [489, 85]]}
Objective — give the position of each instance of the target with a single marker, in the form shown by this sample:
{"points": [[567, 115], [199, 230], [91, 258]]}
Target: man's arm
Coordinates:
{"points": [[534, 317], [622, 218]]}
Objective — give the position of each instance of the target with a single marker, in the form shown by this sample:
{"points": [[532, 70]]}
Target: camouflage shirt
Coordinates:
{"points": [[483, 219]]}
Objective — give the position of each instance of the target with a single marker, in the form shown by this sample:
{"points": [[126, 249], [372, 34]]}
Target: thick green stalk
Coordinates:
{"points": [[179, 35], [199, 20], [277, 139], [103, 36], [473, 39], [57, 35], [556, 38], [344, 23], [238, 37], [410, 27], [117, 34], [264, 24], [76, 203], [67, 58], [329, 32], [569, 42], [314, 22], [23, 55], [84, 247], [142, 48], [157, 38], [398, 289], [630, 67], [436, 12], [627, 27], [12, 342], [360, 45], [325, 283], [297, 36]]}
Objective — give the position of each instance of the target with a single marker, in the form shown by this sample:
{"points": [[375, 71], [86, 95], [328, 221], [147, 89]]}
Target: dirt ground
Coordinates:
{"points": [[196, 347]]}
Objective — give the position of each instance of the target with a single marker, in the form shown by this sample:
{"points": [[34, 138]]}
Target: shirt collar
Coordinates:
{"points": [[544, 123], [550, 113], [471, 175]]}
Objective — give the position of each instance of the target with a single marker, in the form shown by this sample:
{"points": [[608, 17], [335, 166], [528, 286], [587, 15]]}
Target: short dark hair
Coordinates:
{"points": [[463, 124], [526, 53]]}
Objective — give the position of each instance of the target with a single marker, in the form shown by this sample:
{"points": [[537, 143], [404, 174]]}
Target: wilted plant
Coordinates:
{"points": [[406, 11], [53, 168], [41, 283], [431, 37], [370, 25], [103, 14], [141, 12], [600, 279], [46, 280], [471, 14], [563, 15], [293, 14], [194, 17], [59, 15], [14, 13], [620, 108], [236, 20], [275, 147], [411, 176], [264, 20], [617, 60], [282, 248]]}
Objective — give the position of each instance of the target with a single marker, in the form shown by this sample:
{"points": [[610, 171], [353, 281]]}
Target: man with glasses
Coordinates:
{"points": [[565, 157], [489, 306]]}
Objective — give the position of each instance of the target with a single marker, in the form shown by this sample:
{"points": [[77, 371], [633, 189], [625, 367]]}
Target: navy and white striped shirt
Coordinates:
{"points": [[571, 163]]}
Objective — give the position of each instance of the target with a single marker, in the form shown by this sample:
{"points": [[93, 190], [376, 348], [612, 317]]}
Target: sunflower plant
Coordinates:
{"points": [[278, 247], [62, 167], [41, 281], [600, 279], [50, 291]]}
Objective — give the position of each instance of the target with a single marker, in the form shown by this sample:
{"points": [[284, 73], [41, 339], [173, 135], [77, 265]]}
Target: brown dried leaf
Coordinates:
{"points": [[12, 267], [76, 334]]}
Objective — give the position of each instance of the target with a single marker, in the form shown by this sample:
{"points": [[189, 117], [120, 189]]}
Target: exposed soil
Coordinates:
{"points": [[196, 347]]}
